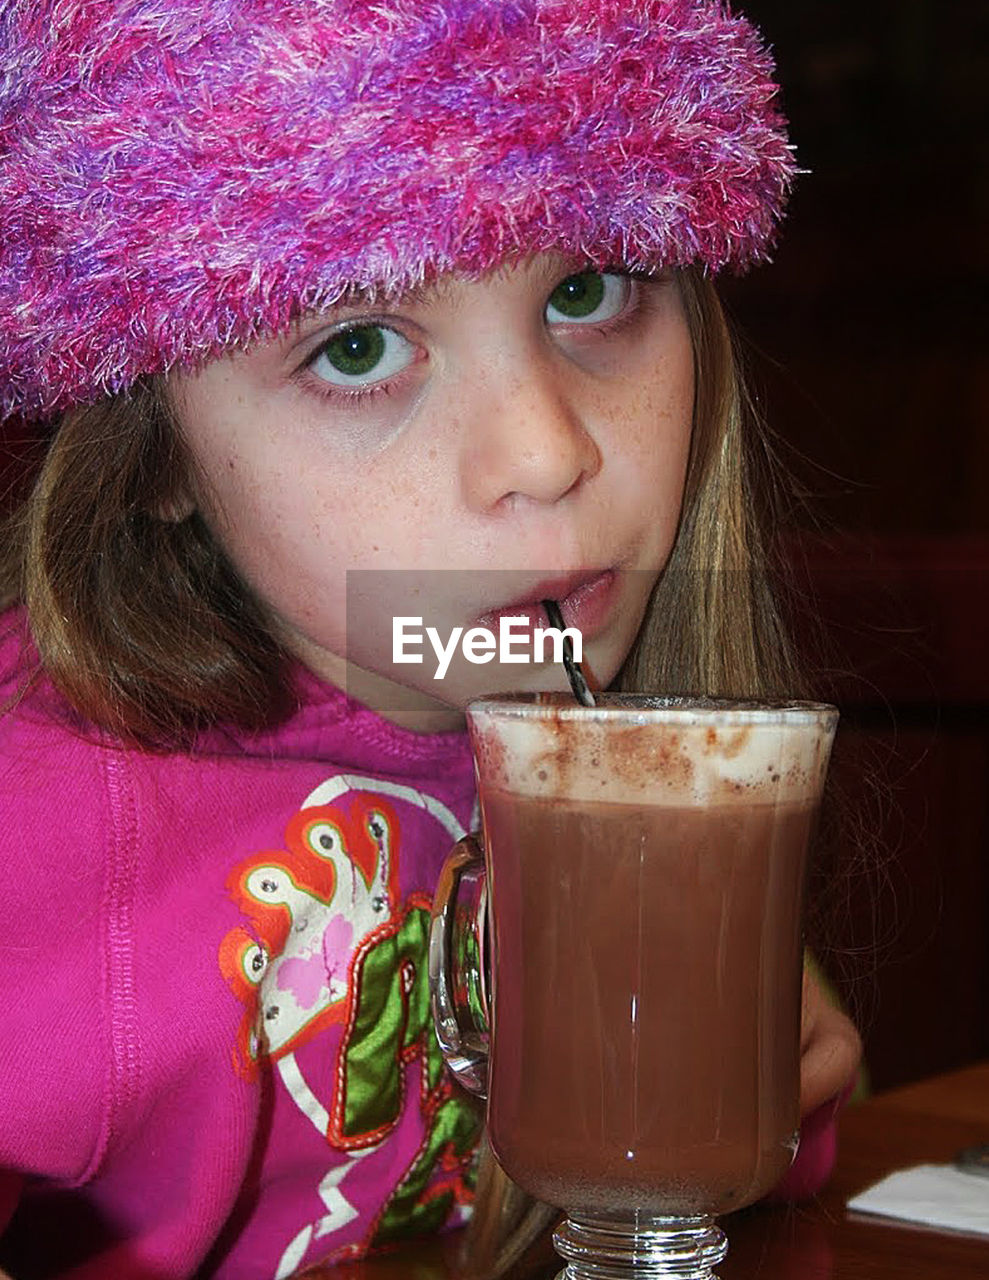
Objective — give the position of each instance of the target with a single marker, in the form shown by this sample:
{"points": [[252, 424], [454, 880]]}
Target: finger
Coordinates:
{"points": [[811, 1002], [829, 1062]]}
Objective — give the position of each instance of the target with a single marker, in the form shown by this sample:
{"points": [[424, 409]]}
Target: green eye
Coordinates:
{"points": [[356, 351], [589, 296], [362, 355], [578, 296]]}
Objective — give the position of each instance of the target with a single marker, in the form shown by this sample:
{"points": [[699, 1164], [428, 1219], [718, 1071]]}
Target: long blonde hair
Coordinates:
{"points": [[143, 624]]}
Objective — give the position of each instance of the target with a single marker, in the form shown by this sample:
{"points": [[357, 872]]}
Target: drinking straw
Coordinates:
{"points": [[581, 690]]}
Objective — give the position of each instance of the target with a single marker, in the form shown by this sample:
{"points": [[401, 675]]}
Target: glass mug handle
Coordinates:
{"points": [[458, 964]]}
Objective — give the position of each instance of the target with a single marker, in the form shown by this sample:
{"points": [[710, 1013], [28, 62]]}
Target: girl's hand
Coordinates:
{"points": [[830, 1048]]}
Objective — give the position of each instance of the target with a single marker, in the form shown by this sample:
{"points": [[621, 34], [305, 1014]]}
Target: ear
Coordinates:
{"points": [[175, 509]]}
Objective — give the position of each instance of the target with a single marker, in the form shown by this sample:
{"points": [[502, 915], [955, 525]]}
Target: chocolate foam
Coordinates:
{"points": [[658, 751]]}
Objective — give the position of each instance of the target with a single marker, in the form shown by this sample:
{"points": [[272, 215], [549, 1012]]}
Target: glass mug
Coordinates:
{"points": [[618, 970]]}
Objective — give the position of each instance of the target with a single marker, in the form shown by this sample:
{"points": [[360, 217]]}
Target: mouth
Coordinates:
{"points": [[585, 599]]}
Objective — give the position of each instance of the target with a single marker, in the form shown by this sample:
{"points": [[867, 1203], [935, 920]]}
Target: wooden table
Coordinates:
{"points": [[922, 1123], [927, 1122]]}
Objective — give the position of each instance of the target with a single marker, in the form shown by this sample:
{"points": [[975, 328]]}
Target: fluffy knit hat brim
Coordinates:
{"points": [[180, 175]]}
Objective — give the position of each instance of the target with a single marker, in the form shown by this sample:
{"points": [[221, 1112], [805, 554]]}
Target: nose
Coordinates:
{"points": [[527, 440]]}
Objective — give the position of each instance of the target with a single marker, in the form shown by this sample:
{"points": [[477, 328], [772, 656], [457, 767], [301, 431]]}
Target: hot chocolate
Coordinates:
{"points": [[646, 1013], [645, 880]]}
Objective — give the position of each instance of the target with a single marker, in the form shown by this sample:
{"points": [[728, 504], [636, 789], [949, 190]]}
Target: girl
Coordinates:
{"points": [[295, 289]]}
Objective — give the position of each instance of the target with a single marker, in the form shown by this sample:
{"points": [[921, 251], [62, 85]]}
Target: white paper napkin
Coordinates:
{"points": [[935, 1195]]}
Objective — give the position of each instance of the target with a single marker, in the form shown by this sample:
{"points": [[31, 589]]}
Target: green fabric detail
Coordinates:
{"points": [[456, 1125], [389, 1021], [425, 1220], [469, 962], [393, 1018]]}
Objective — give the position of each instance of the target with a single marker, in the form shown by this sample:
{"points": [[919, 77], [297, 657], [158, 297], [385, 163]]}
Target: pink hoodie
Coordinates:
{"points": [[218, 1059]]}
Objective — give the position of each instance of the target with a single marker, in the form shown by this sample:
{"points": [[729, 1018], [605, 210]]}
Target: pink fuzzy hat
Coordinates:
{"points": [[180, 175]]}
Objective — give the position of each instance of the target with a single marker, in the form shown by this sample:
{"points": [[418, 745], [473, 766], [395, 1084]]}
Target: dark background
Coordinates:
{"points": [[865, 342]]}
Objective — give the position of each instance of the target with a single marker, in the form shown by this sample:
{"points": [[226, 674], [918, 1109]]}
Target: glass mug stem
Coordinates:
{"points": [[639, 1248]]}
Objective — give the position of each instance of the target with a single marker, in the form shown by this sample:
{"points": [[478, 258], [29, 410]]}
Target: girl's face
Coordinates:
{"points": [[447, 456]]}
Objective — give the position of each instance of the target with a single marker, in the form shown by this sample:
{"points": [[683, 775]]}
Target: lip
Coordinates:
{"points": [[585, 599]]}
